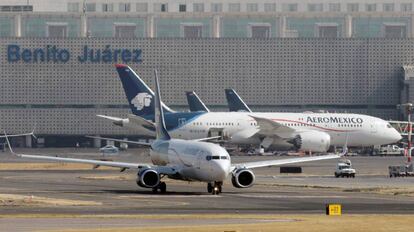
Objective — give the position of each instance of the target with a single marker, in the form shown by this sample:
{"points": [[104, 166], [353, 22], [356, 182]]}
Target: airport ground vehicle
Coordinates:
{"points": [[344, 169], [109, 150], [401, 170], [388, 150]]}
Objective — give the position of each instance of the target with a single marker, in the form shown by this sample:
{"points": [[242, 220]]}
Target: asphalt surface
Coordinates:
{"points": [[273, 193]]}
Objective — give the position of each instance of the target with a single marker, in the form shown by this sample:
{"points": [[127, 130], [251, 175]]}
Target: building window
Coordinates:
{"points": [[327, 30], [182, 8], [252, 7], [315, 7], [124, 7], [73, 7], [191, 30], [90, 7], [234, 7], [335, 7], [388, 7], [57, 30], [371, 7], [198, 7], [124, 30], [142, 7], [259, 30], [290, 7], [160, 7], [216, 7], [16, 8], [270, 7], [406, 7], [107, 7], [352, 7], [394, 30]]}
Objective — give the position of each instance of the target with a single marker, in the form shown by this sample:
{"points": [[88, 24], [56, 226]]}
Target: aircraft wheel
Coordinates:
{"points": [[217, 188], [209, 188], [163, 187]]}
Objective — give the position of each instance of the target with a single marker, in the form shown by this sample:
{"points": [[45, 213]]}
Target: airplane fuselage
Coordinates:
{"points": [[353, 129], [198, 161]]}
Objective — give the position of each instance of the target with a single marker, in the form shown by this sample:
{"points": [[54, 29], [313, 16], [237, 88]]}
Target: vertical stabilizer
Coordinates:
{"points": [[161, 130], [235, 102], [140, 96], [195, 103]]}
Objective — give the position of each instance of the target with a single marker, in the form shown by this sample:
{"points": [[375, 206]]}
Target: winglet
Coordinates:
{"points": [[9, 145], [160, 128], [32, 133]]}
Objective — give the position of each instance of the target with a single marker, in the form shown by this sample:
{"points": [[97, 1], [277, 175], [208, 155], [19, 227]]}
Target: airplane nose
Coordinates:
{"points": [[222, 169], [397, 136]]}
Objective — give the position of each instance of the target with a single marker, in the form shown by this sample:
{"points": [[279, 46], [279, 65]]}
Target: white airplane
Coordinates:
{"points": [[186, 160], [314, 132]]}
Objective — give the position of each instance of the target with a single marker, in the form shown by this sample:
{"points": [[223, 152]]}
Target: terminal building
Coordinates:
{"points": [[294, 56]]}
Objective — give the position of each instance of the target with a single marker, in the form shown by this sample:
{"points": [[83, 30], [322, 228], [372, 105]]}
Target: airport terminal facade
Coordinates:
{"points": [[281, 60]]}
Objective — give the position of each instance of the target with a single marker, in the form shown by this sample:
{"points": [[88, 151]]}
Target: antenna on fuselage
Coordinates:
{"points": [[160, 128]]}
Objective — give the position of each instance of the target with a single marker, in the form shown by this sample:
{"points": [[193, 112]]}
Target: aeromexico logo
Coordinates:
{"points": [[87, 54], [141, 100], [334, 120]]}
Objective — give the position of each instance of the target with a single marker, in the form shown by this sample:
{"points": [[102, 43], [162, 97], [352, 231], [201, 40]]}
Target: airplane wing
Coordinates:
{"points": [[269, 127], [167, 170], [207, 138], [139, 121], [268, 163], [119, 140], [109, 117], [17, 135]]}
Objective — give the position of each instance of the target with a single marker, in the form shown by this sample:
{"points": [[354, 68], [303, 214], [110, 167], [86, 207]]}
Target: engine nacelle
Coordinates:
{"points": [[315, 141], [148, 178], [243, 178]]}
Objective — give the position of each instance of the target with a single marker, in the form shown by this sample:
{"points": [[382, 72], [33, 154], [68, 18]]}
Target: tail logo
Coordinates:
{"points": [[141, 100]]}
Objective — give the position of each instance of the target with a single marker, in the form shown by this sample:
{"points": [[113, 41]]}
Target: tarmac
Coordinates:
{"points": [[84, 191]]}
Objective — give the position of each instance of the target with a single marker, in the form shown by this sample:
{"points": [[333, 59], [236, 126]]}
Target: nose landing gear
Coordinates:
{"points": [[215, 188]]}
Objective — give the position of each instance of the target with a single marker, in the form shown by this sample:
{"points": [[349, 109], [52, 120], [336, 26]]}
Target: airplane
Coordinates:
{"points": [[315, 132], [235, 102], [195, 103], [187, 160]]}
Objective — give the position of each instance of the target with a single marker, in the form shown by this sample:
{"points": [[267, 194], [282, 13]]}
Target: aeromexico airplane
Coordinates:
{"points": [[185, 160], [314, 132]]}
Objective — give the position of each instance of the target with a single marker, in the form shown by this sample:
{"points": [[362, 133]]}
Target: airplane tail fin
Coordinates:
{"points": [[140, 96], [235, 102], [195, 103], [160, 128]]}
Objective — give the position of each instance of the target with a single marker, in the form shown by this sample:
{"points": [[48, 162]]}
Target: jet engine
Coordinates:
{"points": [[315, 141], [243, 178], [148, 178]]}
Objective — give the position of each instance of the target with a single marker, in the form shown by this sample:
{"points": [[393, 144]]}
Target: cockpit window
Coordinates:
{"points": [[215, 157], [223, 157], [389, 126], [208, 158]]}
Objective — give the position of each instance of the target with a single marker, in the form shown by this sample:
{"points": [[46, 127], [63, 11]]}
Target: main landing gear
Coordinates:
{"points": [[161, 186], [215, 188]]}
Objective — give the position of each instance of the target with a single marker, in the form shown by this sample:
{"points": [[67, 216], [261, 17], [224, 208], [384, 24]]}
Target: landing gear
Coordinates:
{"points": [[161, 186], [214, 189]]}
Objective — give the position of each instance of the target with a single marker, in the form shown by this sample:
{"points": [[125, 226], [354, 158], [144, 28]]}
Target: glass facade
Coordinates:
{"points": [[174, 27], [374, 27], [6, 27], [239, 27], [106, 27], [308, 27], [35, 26]]}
